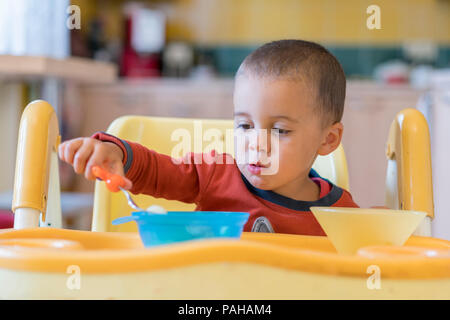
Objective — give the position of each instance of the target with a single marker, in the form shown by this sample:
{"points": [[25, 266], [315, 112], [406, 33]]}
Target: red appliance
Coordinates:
{"points": [[6, 219], [144, 42]]}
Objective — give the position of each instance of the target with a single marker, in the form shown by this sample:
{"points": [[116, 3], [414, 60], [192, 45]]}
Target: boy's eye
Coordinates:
{"points": [[282, 131], [244, 126]]}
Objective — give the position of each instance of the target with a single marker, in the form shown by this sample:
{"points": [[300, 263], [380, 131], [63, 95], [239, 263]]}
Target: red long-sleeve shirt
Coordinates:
{"points": [[220, 186]]}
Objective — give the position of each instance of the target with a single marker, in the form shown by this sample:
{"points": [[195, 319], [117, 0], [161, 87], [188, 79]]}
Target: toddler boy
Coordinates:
{"points": [[288, 104]]}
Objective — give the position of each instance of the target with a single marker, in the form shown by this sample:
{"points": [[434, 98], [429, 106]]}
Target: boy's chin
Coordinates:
{"points": [[259, 181]]}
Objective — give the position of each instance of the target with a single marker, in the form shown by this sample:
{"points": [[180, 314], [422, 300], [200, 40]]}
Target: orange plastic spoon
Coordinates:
{"points": [[114, 183]]}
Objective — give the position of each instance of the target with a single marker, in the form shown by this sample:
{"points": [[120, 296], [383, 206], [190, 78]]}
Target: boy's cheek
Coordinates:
{"points": [[272, 169]]}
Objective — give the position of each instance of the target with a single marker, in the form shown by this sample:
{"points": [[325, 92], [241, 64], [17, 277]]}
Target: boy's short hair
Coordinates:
{"points": [[296, 59]]}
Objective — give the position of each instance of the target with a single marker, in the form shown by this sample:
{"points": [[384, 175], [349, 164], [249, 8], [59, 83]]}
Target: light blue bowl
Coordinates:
{"points": [[176, 226]]}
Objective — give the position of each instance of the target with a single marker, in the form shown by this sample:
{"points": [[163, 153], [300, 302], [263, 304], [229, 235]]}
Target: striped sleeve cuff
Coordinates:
{"points": [[122, 144]]}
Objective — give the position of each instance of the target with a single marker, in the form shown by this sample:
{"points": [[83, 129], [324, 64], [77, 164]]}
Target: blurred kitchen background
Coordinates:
{"points": [[96, 60]]}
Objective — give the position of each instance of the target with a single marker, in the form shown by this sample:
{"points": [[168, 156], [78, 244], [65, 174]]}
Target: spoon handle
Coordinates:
{"points": [[131, 203], [114, 182]]}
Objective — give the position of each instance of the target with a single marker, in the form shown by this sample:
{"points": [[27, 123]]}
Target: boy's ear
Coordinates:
{"points": [[332, 139]]}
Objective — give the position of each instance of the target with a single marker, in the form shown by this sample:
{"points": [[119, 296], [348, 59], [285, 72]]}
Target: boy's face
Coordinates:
{"points": [[283, 161]]}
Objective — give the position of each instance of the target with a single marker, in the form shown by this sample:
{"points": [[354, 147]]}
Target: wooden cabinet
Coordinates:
{"points": [[100, 105]]}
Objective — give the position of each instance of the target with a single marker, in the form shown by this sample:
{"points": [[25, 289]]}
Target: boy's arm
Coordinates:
{"points": [[157, 175]]}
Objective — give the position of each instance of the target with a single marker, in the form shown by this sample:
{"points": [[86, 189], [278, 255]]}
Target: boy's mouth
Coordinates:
{"points": [[255, 168]]}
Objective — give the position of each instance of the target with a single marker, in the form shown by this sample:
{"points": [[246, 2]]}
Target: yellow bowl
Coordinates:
{"points": [[349, 229]]}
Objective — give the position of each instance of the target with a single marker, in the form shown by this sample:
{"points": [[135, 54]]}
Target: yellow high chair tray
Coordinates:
{"points": [[48, 263]]}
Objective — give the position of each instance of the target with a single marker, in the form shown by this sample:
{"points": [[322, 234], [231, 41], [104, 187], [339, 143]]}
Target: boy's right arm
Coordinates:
{"points": [[146, 171]]}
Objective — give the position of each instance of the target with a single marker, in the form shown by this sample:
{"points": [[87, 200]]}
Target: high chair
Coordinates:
{"points": [[162, 135], [409, 184], [54, 263]]}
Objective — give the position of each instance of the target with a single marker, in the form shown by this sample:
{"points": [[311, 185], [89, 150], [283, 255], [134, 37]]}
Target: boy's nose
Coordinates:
{"points": [[259, 140]]}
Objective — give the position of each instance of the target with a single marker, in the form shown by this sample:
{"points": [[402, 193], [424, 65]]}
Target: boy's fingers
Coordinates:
{"points": [[71, 148], [61, 150], [88, 170], [117, 168], [81, 157], [128, 184], [94, 160]]}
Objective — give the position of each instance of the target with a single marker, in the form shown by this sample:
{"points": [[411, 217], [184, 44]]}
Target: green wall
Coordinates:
{"points": [[357, 61]]}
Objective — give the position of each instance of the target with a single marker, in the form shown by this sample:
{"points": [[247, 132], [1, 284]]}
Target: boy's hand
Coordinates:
{"points": [[84, 153]]}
